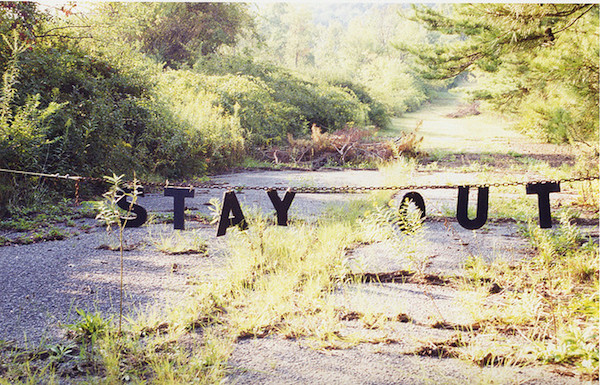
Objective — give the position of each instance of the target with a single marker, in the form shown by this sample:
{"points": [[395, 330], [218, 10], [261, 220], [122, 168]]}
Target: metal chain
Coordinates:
{"points": [[306, 190], [365, 189], [56, 176]]}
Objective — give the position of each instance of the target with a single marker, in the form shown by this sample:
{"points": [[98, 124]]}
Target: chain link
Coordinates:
{"points": [[365, 189], [307, 189]]}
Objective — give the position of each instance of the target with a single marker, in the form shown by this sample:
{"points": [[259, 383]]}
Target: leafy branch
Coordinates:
{"points": [[110, 214]]}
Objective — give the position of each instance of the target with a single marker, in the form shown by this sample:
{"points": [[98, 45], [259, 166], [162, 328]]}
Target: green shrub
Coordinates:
{"points": [[23, 132], [377, 112], [273, 102], [110, 120], [216, 135]]}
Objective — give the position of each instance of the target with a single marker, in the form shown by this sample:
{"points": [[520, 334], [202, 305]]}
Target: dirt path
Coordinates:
{"points": [[475, 135], [44, 283]]}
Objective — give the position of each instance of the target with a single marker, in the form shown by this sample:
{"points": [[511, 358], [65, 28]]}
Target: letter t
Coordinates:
{"points": [[543, 191], [179, 195]]}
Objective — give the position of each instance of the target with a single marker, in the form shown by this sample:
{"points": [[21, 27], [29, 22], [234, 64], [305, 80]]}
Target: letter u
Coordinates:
{"points": [[482, 208]]}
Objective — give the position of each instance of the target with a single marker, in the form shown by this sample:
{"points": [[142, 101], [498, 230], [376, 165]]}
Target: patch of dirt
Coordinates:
{"points": [[402, 276], [498, 160], [439, 349]]}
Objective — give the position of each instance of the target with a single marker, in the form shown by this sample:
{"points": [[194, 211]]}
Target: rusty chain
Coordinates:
{"points": [[305, 190], [365, 189]]}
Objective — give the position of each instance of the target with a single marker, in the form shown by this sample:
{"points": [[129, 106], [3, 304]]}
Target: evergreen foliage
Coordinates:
{"points": [[537, 60]]}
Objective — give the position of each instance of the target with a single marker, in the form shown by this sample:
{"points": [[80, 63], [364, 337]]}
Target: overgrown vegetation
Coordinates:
{"points": [[130, 91], [277, 276], [122, 88], [282, 281], [166, 91], [39, 222], [551, 300], [526, 61]]}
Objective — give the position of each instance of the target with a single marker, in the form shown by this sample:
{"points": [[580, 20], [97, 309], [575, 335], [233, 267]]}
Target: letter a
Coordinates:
{"points": [[482, 208], [231, 205], [281, 207]]}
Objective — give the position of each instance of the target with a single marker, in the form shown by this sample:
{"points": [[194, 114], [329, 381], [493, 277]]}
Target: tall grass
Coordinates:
{"points": [[551, 300], [278, 281]]}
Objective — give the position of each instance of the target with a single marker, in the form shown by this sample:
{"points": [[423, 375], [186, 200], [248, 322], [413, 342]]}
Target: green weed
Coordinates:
{"points": [[575, 345], [403, 227], [111, 215], [179, 242], [61, 352], [550, 299], [90, 326]]}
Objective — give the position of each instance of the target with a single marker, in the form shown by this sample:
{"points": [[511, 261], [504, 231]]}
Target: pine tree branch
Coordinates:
{"points": [[575, 20]]}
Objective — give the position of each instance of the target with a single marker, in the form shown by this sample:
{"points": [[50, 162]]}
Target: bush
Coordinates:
{"points": [[111, 119], [274, 102], [216, 136], [91, 107], [23, 132], [377, 112]]}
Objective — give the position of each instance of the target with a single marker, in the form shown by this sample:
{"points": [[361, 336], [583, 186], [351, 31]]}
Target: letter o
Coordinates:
{"points": [[416, 198]]}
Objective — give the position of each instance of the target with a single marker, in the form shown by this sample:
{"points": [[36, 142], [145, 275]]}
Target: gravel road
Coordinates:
{"points": [[44, 284], [278, 361]]}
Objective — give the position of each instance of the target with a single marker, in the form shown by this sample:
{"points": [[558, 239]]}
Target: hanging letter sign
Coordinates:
{"points": [[462, 208], [140, 214], [231, 206], [232, 215], [415, 198], [543, 191], [179, 195], [281, 206]]}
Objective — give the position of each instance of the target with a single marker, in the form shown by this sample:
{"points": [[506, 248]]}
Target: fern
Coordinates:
{"points": [[402, 227]]}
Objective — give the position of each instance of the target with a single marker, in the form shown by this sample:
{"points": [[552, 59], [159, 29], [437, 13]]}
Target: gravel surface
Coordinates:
{"points": [[280, 361], [43, 284]]}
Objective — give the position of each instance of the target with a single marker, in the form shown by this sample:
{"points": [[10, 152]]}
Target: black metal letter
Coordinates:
{"points": [[416, 198], [281, 207], [140, 213], [543, 191], [231, 205], [462, 208], [179, 194]]}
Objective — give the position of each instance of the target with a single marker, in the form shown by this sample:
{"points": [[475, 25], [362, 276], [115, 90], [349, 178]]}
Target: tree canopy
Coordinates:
{"points": [[179, 32], [540, 60]]}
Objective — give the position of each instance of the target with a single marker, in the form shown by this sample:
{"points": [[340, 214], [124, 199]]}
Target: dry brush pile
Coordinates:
{"points": [[348, 146]]}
